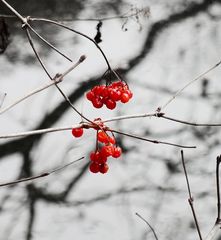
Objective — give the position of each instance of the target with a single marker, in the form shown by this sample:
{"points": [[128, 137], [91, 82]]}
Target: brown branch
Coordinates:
{"points": [[45, 174], [190, 200], [152, 229], [218, 160], [149, 140], [191, 123]]}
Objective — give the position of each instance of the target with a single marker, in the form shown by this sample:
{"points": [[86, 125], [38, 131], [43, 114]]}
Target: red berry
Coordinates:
{"points": [[112, 140], [107, 150], [102, 137], [105, 92], [97, 102], [94, 167], [129, 93], [110, 104], [115, 95], [93, 156], [77, 132], [103, 168], [125, 98], [117, 152], [90, 95]]}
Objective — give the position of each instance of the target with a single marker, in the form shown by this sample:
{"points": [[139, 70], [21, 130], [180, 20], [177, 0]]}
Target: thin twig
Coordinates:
{"points": [[218, 160], [190, 200], [45, 174], [126, 15], [26, 24], [36, 53], [3, 99], [71, 105], [151, 228], [45, 41], [14, 11], [187, 85], [37, 132], [58, 78], [149, 140], [190, 123], [216, 228], [77, 32]]}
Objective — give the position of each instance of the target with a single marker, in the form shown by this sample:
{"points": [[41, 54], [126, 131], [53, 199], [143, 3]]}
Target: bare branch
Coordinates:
{"points": [[36, 53], [218, 160], [45, 174], [187, 85], [77, 32], [58, 78], [149, 140], [151, 228], [190, 200]]}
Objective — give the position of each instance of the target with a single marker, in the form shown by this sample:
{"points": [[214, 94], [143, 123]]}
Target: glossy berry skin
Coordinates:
{"points": [[109, 94], [125, 98], [110, 104], [102, 137], [117, 152], [94, 167], [77, 132], [107, 150], [90, 96], [97, 103], [103, 168]]}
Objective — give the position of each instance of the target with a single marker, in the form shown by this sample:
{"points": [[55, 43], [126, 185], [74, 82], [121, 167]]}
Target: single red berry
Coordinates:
{"points": [[111, 140], [103, 168], [94, 167], [105, 92], [77, 132], [130, 94], [107, 150], [102, 159], [117, 152], [110, 104], [102, 137], [90, 95], [125, 98], [115, 95], [97, 102], [93, 156]]}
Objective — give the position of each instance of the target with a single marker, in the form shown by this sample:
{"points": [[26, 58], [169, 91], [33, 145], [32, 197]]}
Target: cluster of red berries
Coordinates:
{"points": [[109, 95], [99, 157], [107, 149]]}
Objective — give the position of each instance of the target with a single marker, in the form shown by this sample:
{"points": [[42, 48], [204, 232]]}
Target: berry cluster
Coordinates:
{"points": [[108, 149], [109, 95]]}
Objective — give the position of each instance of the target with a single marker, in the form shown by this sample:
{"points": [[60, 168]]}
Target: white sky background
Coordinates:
{"points": [[180, 53]]}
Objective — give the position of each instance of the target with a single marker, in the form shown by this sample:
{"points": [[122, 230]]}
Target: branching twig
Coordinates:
{"points": [[45, 174], [187, 85], [36, 53], [77, 32], [190, 200], [128, 14], [151, 228], [58, 78]]}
